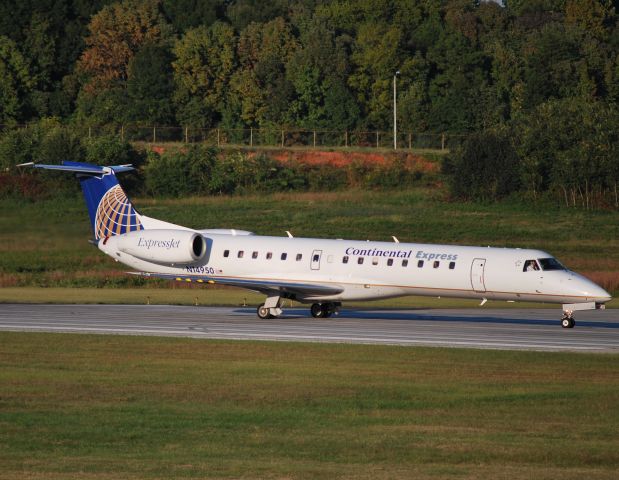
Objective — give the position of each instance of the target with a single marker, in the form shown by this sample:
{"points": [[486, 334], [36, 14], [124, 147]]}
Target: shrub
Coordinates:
{"points": [[110, 150], [324, 177], [241, 173], [180, 173], [46, 141], [486, 167]]}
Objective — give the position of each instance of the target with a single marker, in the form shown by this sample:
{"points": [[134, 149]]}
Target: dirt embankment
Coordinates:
{"points": [[335, 158], [342, 159]]}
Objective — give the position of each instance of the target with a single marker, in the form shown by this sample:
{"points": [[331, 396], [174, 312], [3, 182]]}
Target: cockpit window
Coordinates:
{"points": [[550, 264], [530, 266]]}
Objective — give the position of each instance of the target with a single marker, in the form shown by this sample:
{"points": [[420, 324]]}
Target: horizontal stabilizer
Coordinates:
{"points": [[82, 168], [111, 213]]}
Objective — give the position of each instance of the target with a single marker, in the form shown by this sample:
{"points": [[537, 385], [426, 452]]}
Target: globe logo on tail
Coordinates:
{"points": [[115, 214]]}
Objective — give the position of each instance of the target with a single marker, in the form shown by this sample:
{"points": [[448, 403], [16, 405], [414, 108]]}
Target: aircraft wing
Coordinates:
{"points": [[268, 287]]}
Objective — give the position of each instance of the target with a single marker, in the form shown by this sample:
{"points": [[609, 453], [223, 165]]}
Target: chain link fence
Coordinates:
{"points": [[272, 137]]}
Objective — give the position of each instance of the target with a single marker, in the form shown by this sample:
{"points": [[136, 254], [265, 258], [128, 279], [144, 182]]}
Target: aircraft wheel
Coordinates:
{"points": [[568, 322], [327, 309], [317, 310], [264, 313]]}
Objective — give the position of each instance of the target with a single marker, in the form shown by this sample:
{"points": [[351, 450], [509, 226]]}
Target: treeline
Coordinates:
{"points": [[464, 65], [534, 83]]}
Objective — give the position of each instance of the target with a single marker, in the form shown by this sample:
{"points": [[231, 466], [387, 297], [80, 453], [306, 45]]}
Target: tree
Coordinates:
{"points": [[487, 167], [594, 16], [241, 13], [570, 145], [15, 82], [40, 49], [457, 89], [523, 7], [117, 32], [205, 60], [186, 14], [377, 55], [150, 86], [551, 64], [318, 70], [413, 99], [260, 85]]}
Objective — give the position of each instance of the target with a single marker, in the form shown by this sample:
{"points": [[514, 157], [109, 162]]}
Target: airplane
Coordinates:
{"points": [[320, 272]]}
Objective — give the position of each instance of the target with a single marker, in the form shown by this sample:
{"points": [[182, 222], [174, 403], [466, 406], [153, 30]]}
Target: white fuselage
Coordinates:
{"points": [[373, 270]]}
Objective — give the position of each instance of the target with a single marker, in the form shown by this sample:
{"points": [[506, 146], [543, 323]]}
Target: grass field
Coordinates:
{"points": [[79, 406]]}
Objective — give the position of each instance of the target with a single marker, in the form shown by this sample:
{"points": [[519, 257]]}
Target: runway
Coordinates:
{"points": [[509, 329]]}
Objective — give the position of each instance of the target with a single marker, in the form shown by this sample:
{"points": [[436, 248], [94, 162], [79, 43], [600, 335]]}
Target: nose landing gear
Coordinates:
{"points": [[270, 308], [568, 319]]}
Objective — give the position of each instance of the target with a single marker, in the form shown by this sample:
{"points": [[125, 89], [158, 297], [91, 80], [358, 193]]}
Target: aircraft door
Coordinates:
{"points": [[477, 275], [316, 254]]}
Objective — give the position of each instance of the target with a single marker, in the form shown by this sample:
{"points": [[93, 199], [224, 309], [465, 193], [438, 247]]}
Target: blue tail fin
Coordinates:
{"points": [[111, 212]]}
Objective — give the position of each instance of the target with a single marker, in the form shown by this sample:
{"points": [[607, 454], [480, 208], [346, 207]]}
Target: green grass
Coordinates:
{"points": [[225, 296], [215, 296], [45, 243], [79, 406]]}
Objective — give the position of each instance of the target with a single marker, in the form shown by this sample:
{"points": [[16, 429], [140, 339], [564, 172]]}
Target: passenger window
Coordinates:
{"points": [[420, 264], [316, 258], [254, 255], [375, 261], [390, 262], [530, 266], [240, 254], [360, 260], [226, 253], [436, 263], [345, 259], [284, 256], [405, 263], [452, 265], [269, 255], [299, 256]]}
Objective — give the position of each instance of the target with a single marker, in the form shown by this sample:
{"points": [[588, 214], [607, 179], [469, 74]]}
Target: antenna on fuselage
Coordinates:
{"points": [[289, 234], [395, 239]]}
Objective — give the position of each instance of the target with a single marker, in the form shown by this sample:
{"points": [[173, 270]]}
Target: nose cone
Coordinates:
{"points": [[600, 294], [592, 290]]}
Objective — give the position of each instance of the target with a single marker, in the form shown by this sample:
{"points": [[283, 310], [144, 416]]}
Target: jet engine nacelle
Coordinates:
{"points": [[163, 246]]}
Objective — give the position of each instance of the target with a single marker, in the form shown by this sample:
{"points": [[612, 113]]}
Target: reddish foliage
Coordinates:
{"points": [[342, 159], [26, 186]]}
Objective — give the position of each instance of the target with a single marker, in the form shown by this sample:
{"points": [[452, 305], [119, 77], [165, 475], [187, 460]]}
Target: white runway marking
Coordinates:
{"points": [[514, 329]]}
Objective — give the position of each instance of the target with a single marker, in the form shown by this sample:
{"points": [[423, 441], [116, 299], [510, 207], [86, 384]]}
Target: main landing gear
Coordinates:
{"points": [[271, 309], [324, 310], [568, 319]]}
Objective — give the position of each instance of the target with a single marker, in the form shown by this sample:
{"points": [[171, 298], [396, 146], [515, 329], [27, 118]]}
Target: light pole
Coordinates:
{"points": [[395, 111]]}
